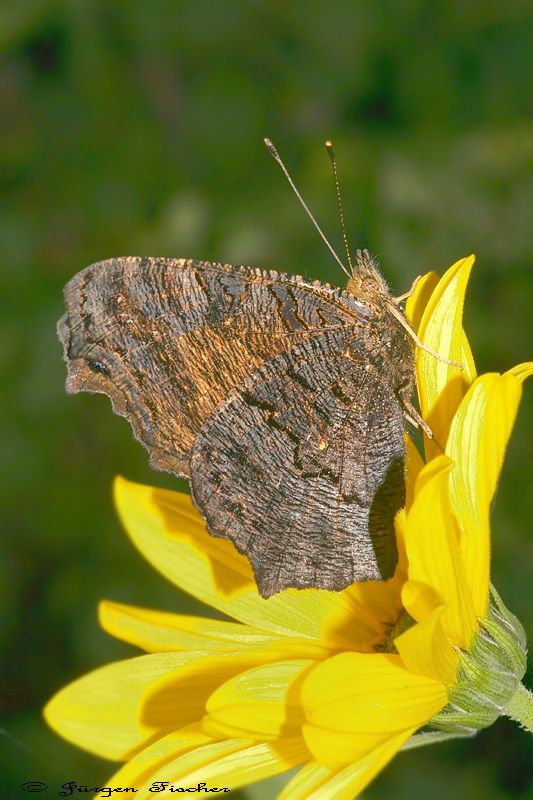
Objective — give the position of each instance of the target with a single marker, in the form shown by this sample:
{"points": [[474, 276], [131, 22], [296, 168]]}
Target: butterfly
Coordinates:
{"points": [[281, 399]]}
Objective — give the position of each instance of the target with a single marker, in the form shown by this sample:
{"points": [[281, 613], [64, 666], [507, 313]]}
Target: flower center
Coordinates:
{"points": [[394, 629]]}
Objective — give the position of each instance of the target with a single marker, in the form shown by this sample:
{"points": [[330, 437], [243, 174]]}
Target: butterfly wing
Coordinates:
{"points": [[292, 468], [167, 339], [258, 386]]}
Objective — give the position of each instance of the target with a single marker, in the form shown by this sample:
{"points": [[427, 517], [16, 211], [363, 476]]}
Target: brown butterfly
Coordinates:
{"points": [[281, 399]]}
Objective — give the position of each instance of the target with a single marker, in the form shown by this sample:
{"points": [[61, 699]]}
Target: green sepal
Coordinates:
{"points": [[488, 674]]}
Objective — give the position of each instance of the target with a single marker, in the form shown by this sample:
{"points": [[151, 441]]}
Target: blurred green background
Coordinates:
{"points": [[134, 128]]}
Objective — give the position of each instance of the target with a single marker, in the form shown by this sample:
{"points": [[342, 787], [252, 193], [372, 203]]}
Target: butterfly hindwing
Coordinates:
{"points": [[290, 468]]}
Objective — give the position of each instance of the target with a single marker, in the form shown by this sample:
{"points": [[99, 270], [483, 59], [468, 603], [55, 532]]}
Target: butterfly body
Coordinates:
{"points": [[280, 398]]}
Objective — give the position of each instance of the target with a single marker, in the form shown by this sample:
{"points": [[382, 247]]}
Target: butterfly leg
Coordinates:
{"points": [[412, 416], [411, 291], [397, 314]]}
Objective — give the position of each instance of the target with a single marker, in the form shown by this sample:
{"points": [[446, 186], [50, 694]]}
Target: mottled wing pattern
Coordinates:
{"points": [[258, 386], [287, 469], [167, 339]]}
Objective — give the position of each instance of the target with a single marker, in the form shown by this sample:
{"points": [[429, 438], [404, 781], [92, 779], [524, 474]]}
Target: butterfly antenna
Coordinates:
{"points": [[331, 154], [277, 157]]}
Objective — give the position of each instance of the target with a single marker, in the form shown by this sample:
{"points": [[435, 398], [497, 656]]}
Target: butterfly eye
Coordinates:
{"points": [[370, 285]]}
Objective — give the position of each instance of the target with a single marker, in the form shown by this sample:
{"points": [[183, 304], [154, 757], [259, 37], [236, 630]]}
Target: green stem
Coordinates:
{"points": [[521, 708]]}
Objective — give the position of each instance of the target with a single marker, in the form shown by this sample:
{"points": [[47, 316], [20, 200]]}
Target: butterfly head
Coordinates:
{"points": [[366, 281]]}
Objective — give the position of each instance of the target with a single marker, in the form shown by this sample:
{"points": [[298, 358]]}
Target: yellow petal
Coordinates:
{"points": [[99, 711], [188, 758], [434, 556], [522, 371], [355, 702], [315, 782], [160, 631], [413, 466], [358, 692], [155, 518], [374, 605], [420, 599], [477, 441], [139, 770], [416, 304], [441, 386], [180, 696], [400, 574], [425, 649], [263, 703]]}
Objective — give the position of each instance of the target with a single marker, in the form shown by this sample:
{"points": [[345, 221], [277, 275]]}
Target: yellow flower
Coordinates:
{"points": [[333, 683]]}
